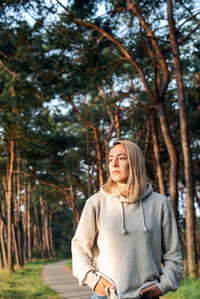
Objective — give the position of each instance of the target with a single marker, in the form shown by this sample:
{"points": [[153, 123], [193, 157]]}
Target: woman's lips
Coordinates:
{"points": [[116, 171]]}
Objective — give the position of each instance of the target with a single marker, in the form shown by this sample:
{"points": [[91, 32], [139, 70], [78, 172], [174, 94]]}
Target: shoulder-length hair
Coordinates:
{"points": [[137, 179]]}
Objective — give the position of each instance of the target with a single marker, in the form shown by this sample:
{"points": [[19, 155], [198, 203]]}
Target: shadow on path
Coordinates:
{"points": [[60, 278]]}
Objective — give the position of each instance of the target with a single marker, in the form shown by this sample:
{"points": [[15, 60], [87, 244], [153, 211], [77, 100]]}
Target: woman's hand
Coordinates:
{"points": [[152, 292], [102, 286]]}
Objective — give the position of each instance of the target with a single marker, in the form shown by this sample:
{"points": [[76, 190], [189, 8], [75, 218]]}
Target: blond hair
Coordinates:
{"points": [[137, 179]]}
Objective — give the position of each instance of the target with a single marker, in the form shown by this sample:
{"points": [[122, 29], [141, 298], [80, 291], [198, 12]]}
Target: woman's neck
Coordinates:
{"points": [[121, 187]]}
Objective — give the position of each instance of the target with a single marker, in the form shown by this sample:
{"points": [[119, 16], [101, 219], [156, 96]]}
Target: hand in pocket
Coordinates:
{"points": [[152, 292], [102, 286]]}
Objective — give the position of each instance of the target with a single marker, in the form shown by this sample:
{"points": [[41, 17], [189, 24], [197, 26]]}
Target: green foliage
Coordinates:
{"points": [[84, 8]]}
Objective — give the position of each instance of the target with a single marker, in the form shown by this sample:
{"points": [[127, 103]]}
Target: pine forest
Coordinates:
{"points": [[74, 77]]}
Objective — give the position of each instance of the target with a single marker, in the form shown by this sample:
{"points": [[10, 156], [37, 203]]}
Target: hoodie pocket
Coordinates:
{"points": [[107, 278]]}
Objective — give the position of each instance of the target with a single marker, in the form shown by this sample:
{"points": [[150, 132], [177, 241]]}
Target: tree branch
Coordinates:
{"points": [[164, 67], [13, 75], [115, 42], [189, 19]]}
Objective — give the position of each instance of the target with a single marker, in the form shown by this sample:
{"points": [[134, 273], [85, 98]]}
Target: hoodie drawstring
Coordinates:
{"points": [[123, 231], [142, 215], [116, 196]]}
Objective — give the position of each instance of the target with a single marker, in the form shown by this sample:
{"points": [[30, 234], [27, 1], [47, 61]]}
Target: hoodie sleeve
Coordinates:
{"points": [[172, 258], [82, 244]]}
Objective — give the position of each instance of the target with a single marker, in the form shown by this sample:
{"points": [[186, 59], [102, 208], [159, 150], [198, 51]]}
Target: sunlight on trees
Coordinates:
{"points": [[75, 76]]}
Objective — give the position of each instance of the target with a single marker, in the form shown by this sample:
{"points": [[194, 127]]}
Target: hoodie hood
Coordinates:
{"points": [[118, 197]]}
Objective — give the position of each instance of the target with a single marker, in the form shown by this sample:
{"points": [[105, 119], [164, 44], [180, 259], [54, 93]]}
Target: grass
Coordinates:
{"points": [[188, 289], [69, 264], [25, 283]]}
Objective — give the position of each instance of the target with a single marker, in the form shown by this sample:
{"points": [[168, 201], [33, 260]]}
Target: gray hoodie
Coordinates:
{"points": [[126, 243]]}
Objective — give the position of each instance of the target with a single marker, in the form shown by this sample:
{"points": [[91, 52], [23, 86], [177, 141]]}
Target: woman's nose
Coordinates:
{"points": [[115, 162]]}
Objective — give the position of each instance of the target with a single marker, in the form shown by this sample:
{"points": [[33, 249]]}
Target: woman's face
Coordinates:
{"points": [[118, 164]]}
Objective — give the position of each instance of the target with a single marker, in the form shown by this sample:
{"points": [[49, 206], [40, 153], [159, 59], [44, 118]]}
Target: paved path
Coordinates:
{"points": [[60, 278]]}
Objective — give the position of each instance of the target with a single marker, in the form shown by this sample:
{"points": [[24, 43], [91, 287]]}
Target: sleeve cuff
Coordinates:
{"points": [[165, 287], [91, 279]]}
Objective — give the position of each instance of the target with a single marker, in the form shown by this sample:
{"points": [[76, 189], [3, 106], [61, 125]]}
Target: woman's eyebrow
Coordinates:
{"points": [[118, 155]]}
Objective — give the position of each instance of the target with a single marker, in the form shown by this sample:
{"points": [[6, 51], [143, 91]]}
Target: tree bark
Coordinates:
{"points": [[188, 168], [157, 154], [45, 236], [117, 124], [173, 175], [25, 222], [46, 230], [36, 245], [3, 246], [18, 216], [73, 201], [15, 224], [38, 232], [1, 263], [43, 227], [8, 190], [16, 249], [89, 183], [52, 248], [146, 145], [29, 247]]}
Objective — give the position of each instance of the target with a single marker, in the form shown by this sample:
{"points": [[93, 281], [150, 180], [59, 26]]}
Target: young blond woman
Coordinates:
{"points": [[126, 245]]}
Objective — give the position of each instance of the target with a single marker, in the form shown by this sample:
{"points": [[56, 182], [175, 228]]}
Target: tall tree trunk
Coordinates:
{"points": [[147, 137], [29, 247], [89, 187], [3, 246], [52, 248], [188, 169], [46, 227], [156, 150], [173, 176], [38, 232], [43, 227], [15, 224], [117, 124], [36, 245], [1, 263], [8, 186], [16, 249], [25, 221], [3, 231], [18, 213], [73, 200], [99, 159]]}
